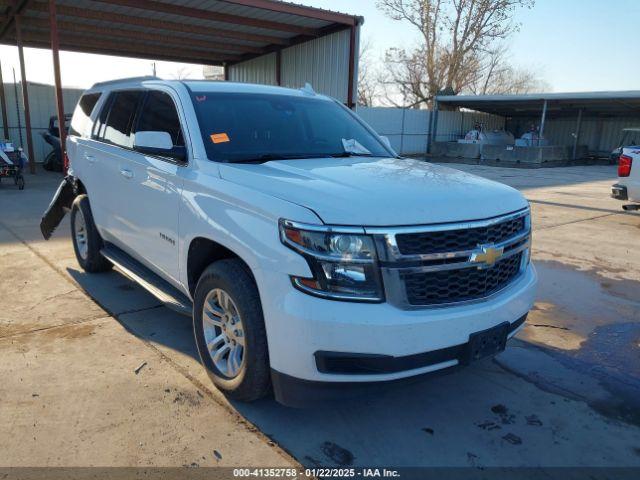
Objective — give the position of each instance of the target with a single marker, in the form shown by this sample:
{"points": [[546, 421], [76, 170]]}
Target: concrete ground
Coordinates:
{"points": [[565, 393]]}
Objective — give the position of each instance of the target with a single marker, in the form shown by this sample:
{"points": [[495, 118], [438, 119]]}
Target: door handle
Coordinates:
{"points": [[90, 158], [126, 173]]}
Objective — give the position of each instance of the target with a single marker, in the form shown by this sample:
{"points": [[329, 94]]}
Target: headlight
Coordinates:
{"points": [[343, 261]]}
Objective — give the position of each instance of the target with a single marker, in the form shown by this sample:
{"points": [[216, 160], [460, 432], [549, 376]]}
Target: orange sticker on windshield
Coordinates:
{"points": [[220, 138]]}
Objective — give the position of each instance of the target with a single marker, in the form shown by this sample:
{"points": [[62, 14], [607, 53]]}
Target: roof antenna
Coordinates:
{"points": [[308, 89]]}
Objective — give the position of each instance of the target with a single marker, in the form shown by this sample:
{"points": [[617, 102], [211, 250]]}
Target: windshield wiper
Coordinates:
{"points": [[268, 157], [349, 154]]}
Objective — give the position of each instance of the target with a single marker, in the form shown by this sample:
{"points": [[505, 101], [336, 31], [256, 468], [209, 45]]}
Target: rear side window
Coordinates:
{"points": [[117, 128], [82, 114], [98, 127], [159, 114]]}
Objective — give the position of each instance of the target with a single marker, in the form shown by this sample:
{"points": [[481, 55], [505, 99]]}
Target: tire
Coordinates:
{"points": [[232, 277], [48, 161], [52, 162], [87, 242]]}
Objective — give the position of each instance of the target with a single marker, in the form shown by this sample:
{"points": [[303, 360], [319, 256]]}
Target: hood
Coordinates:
{"points": [[378, 192]]}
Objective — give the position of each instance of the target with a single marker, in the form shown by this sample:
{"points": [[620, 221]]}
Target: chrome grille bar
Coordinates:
{"points": [[396, 266]]}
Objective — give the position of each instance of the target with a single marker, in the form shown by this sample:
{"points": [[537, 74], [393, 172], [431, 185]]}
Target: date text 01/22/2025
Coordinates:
{"points": [[316, 473]]}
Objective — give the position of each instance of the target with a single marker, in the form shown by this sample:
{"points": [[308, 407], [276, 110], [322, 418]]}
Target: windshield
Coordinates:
{"points": [[238, 127]]}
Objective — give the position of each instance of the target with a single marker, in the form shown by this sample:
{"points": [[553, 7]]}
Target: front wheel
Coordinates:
{"points": [[87, 242], [229, 329]]}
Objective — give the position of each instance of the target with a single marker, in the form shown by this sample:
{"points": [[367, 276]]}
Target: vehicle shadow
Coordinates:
{"points": [[339, 433], [478, 416], [138, 311]]}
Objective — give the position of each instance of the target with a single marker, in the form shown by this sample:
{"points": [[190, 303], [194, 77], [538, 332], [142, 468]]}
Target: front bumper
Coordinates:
{"points": [[299, 326], [619, 192], [295, 392]]}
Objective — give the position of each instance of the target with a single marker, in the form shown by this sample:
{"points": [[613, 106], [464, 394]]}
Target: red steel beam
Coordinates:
{"points": [[124, 47], [134, 53], [162, 25], [202, 14], [15, 7], [55, 51], [352, 66], [25, 95], [302, 11], [279, 67], [97, 32]]}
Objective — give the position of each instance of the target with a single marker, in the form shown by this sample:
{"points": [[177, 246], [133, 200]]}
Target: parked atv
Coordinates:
{"points": [[53, 161]]}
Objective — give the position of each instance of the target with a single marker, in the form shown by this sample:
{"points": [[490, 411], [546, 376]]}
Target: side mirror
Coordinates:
{"points": [[158, 144]]}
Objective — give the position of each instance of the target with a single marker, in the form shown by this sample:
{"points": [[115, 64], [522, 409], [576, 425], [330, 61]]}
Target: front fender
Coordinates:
{"points": [[242, 220]]}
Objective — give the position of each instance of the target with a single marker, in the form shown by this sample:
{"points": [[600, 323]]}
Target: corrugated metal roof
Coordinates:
{"points": [[199, 31], [613, 103]]}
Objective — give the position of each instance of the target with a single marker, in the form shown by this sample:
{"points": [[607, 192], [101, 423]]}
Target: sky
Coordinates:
{"points": [[574, 45]]}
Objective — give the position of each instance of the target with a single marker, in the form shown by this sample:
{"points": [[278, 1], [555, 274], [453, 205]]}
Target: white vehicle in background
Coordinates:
{"points": [[311, 258], [630, 137], [628, 186]]}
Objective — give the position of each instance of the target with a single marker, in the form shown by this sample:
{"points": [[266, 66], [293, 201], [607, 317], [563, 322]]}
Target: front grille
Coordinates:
{"points": [[458, 240], [465, 284]]}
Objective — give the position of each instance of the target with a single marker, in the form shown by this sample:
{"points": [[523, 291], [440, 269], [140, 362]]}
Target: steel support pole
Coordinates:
{"points": [[25, 95], [279, 67], [404, 114], [55, 46], [352, 67], [577, 137], [3, 100], [433, 126], [542, 121]]}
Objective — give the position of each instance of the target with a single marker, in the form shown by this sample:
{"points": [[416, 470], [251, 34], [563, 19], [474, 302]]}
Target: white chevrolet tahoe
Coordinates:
{"points": [[313, 260], [628, 186]]}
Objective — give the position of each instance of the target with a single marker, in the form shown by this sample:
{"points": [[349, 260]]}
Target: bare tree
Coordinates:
{"points": [[181, 73], [457, 38], [368, 86], [496, 75]]}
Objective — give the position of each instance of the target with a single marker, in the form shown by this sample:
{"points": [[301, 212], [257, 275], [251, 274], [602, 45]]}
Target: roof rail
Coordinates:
{"points": [[120, 80]]}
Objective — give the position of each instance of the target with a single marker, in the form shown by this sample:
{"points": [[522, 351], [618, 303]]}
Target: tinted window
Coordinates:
{"points": [[98, 127], [117, 128], [237, 127], [159, 114], [82, 114]]}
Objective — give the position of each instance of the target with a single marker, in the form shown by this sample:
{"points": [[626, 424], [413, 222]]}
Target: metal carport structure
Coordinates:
{"points": [[225, 33], [576, 107]]}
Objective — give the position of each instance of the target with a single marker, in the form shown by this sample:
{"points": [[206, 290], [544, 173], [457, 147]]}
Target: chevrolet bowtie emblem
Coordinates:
{"points": [[487, 255]]}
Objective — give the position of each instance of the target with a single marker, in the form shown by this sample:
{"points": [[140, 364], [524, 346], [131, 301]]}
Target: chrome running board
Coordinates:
{"points": [[151, 282]]}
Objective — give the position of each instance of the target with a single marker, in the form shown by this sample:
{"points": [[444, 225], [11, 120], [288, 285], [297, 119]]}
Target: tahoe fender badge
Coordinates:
{"points": [[168, 239]]}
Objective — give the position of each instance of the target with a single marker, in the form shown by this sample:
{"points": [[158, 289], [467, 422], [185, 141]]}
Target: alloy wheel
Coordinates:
{"points": [[223, 333], [80, 228]]}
